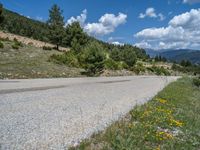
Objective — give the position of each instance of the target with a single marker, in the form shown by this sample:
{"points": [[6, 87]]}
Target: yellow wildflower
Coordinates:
{"points": [[163, 101]]}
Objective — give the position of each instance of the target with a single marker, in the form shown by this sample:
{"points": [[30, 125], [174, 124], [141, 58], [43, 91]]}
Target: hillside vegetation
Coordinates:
{"points": [[92, 56], [86, 52]]}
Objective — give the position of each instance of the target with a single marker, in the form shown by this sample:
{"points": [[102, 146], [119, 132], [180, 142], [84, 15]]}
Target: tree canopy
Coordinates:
{"points": [[56, 25]]}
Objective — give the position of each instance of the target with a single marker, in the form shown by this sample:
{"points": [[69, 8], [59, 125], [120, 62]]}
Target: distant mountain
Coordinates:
{"points": [[152, 53], [177, 55]]}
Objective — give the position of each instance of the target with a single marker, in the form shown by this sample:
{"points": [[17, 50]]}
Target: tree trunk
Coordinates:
{"points": [[57, 46]]}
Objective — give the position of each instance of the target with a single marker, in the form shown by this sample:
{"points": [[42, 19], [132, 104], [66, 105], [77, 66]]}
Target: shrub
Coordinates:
{"points": [[69, 58], [196, 81], [129, 57], [17, 43], [159, 70], [115, 55], [93, 58], [15, 46], [4, 39], [47, 48], [112, 65], [138, 68], [1, 45]]}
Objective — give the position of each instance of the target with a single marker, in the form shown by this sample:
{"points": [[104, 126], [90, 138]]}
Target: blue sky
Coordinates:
{"points": [[158, 24]]}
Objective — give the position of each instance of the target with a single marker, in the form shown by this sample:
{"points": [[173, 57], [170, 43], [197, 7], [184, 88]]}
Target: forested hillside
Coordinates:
{"points": [[74, 36], [17, 24], [86, 52]]}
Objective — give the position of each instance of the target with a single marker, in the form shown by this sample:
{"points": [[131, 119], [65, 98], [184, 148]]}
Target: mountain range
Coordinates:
{"points": [[177, 55]]}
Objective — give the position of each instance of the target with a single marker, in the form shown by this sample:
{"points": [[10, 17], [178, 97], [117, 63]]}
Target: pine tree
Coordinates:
{"points": [[75, 37], [56, 24]]}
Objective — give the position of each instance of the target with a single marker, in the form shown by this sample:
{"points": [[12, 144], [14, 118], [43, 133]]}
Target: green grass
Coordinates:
{"points": [[170, 121], [31, 62]]}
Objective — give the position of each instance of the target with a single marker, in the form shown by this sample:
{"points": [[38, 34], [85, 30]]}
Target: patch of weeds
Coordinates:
{"points": [[1, 45], [47, 48], [196, 81]]}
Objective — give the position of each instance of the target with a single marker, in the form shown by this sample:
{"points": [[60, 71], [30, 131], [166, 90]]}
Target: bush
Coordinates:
{"points": [[159, 70], [4, 39], [115, 55], [69, 58], [129, 57], [47, 48], [93, 58], [138, 68], [112, 65], [1, 45], [15, 46], [17, 43], [196, 81]]}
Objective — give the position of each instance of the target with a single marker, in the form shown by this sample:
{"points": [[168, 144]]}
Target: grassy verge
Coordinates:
{"points": [[170, 121]]}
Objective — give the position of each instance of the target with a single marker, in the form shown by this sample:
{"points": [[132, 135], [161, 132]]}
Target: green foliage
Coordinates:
{"points": [[17, 43], [69, 58], [47, 48], [138, 68], [159, 70], [159, 58], [1, 45], [93, 58], [129, 57], [196, 81], [14, 46], [186, 63], [193, 69], [115, 54], [112, 65], [17, 24], [75, 37], [56, 24]]}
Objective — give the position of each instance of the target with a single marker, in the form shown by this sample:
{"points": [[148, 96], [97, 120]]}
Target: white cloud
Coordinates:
{"points": [[150, 12], [81, 19], [191, 1], [143, 44], [117, 43], [162, 17], [183, 31], [111, 39], [107, 24]]}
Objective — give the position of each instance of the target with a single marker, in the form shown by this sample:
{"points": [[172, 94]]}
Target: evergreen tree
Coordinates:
{"points": [[115, 54], [129, 57], [75, 36], [56, 25], [93, 58]]}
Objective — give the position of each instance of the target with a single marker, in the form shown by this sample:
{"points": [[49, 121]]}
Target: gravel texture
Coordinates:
{"points": [[56, 113]]}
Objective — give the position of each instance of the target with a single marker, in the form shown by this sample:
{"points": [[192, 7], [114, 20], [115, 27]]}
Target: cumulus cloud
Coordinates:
{"points": [[117, 43], [191, 1], [81, 19], [106, 24], [150, 12], [183, 31]]}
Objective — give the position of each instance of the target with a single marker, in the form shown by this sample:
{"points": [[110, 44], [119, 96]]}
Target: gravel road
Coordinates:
{"points": [[56, 113]]}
